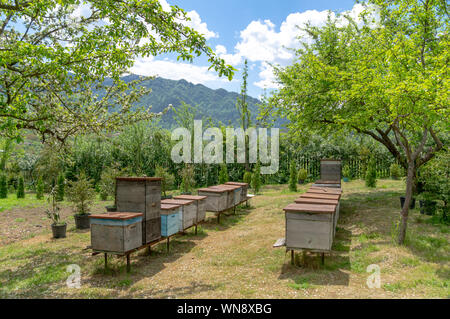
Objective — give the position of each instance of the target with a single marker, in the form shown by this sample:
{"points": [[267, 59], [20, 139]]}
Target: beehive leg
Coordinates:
{"points": [[292, 257], [323, 259], [106, 261], [128, 263], [196, 230], [168, 244]]}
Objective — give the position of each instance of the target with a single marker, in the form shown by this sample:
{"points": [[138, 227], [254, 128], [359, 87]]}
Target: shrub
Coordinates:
{"points": [[256, 178], [107, 184], [396, 171], [3, 187], [187, 179], [247, 178], [21, 188], [81, 194], [223, 174], [371, 174], [60, 188], [167, 178], [346, 171], [40, 188], [293, 177], [302, 174]]}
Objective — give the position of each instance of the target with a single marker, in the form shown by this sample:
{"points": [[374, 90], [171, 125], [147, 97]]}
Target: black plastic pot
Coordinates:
{"points": [[111, 209], [412, 205], [427, 207], [82, 221], [301, 181], [59, 231], [186, 193], [167, 197]]}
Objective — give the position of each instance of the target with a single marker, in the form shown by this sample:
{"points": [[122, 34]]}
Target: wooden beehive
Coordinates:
{"points": [[309, 226], [330, 170], [216, 199], [116, 232], [322, 201], [324, 190], [170, 219], [141, 194], [200, 202], [188, 211], [244, 189], [234, 194]]}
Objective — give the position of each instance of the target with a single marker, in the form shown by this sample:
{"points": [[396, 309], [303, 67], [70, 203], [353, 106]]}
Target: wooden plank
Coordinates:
{"points": [[319, 201], [324, 190], [310, 208], [120, 215], [321, 196], [303, 234]]}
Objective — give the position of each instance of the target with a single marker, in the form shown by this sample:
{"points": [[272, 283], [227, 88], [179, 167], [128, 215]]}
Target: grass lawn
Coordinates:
{"points": [[235, 259]]}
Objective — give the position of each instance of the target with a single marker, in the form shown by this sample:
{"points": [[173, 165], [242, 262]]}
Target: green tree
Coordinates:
{"points": [[247, 178], [3, 186], [20, 188], [187, 178], [293, 176], [40, 188], [244, 112], [81, 194], [167, 179], [60, 188], [386, 77], [223, 174], [256, 178], [371, 174], [53, 58]]}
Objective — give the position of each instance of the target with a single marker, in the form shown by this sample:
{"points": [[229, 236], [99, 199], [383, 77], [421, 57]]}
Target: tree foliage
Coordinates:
{"points": [[293, 177], [54, 55], [384, 75]]}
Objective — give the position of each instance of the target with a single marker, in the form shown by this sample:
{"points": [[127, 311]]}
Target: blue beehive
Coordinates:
{"points": [[170, 219]]}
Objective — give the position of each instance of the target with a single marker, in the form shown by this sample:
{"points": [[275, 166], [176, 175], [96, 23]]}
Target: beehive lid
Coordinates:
{"points": [[119, 216], [310, 208], [190, 197], [228, 187], [318, 201], [325, 190], [177, 201], [323, 181], [237, 184], [321, 196], [168, 208], [139, 179], [213, 189]]}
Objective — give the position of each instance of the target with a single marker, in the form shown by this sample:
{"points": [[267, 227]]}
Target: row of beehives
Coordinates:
{"points": [[311, 220], [142, 218]]}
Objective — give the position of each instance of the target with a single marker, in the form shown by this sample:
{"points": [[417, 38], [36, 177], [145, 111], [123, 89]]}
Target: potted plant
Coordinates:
{"points": [[81, 194], [412, 205], [346, 173], [59, 227], [302, 175], [427, 203]]}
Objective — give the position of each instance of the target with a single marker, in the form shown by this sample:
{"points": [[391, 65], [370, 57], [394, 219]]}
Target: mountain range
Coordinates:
{"points": [[218, 104]]}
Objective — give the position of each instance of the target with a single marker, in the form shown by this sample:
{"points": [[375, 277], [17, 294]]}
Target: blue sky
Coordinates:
{"points": [[257, 30]]}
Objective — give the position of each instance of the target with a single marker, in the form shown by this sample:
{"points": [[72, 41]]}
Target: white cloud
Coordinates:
{"points": [[233, 59], [175, 70], [199, 26], [261, 42]]}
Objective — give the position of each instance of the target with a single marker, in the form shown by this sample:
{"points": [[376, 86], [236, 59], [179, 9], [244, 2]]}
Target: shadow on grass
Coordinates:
{"points": [[310, 271]]}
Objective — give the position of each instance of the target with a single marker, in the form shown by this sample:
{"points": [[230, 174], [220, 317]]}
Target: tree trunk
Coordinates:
{"points": [[410, 180]]}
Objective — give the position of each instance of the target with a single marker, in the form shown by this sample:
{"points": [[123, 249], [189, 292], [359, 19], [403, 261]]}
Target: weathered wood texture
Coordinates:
{"points": [[188, 211], [309, 226], [321, 196], [330, 170], [116, 235], [200, 202], [216, 200], [244, 189], [170, 219], [141, 194], [324, 190]]}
